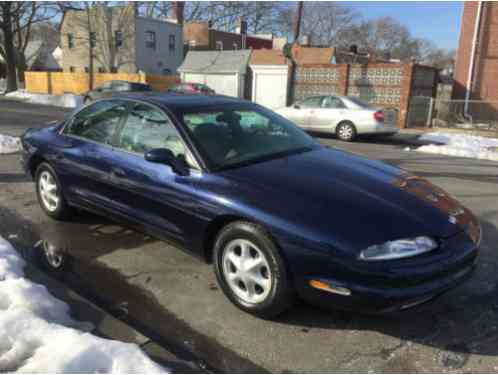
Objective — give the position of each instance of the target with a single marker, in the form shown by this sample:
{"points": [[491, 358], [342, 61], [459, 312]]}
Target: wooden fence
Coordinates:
{"points": [[58, 83]]}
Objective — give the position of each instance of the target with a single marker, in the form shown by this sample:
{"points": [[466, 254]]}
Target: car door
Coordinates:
{"points": [[83, 157], [331, 112], [308, 108], [300, 112], [150, 192]]}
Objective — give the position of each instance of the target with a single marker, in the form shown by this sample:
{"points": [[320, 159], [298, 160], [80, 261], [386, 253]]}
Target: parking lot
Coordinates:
{"points": [[174, 297]]}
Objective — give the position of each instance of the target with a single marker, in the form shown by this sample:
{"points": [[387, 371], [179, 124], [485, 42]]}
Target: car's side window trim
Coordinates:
{"points": [[113, 137], [120, 128], [196, 157]]}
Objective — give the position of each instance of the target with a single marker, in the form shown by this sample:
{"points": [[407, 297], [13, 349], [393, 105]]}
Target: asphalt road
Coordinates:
{"points": [[167, 293]]}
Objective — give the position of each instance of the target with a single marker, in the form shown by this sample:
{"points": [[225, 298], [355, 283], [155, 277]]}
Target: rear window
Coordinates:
{"points": [[359, 102]]}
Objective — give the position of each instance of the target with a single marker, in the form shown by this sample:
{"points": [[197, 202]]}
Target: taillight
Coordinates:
{"points": [[379, 116]]}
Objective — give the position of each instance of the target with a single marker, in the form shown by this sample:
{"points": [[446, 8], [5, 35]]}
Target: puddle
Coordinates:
{"points": [[69, 251]]}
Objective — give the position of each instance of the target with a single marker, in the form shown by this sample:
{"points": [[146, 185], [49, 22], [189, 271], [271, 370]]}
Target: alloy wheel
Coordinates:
{"points": [[346, 132], [47, 186], [247, 271]]}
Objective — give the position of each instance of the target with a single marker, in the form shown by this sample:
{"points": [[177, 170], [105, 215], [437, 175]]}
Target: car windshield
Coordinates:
{"points": [[359, 102], [229, 137]]}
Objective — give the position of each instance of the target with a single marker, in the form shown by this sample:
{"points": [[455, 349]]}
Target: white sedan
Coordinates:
{"points": [[344, 116]]}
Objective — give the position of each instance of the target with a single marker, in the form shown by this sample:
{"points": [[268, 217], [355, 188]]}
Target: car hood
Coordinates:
{"points": [[350, 201]]}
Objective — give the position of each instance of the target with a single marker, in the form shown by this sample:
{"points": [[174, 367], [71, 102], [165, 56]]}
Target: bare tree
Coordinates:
{"points": [[7, 12], [17, 20]]}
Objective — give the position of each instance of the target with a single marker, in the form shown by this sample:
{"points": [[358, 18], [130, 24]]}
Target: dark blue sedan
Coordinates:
{"points": [[279, 215]]}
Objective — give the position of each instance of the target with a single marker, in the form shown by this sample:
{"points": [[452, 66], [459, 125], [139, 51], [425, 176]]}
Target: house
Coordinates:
{"points": [[270, 78], [476, 60], [121, 41], [223, 71], [200, 36]]}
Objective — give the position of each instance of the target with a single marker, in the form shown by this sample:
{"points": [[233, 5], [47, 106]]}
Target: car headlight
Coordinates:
{"points": [[397, 249]]}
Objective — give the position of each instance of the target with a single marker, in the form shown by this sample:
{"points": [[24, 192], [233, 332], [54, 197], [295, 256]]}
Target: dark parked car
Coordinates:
{"points": [[112, 88], [278, 214], [192, 88]]}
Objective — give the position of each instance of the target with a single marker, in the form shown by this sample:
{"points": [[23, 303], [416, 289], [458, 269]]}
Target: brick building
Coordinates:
{"points": [[199, 35], [479, 26]]}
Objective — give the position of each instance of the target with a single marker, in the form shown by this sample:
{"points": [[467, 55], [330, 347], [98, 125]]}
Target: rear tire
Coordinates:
{"points": [[346, 131], [50, 193], [250, 270]]}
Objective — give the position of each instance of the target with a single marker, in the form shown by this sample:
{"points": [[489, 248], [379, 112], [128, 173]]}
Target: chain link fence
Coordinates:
{"points": [[480, 115]]}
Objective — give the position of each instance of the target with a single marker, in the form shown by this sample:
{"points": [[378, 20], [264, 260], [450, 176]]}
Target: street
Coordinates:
{"points": [[173, 297]]}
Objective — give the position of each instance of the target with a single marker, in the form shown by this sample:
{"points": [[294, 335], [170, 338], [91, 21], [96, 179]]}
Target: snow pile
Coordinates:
{"points": [[38, 335], [9, 144], [463, 145], [66, 100]]}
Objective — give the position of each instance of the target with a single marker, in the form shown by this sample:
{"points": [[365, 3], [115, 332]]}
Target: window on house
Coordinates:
{"points": [[101, 70], [86, 69], [118, 36], [150, 39], [72, 69], [171, 42], [70, 41], [219, 45], [93, 39], [114, 69]]}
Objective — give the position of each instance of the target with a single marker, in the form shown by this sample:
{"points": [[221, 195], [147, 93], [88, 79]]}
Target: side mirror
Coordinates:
{"points": [[166, 156], [297, 106]]}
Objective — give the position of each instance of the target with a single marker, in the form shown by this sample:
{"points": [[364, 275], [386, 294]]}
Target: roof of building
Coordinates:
{"points": [[268, 57], [216, 62], [312, 55]]}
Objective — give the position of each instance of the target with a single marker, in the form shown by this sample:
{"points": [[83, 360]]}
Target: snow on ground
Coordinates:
{"points": [[66, 100], [463, 145], [37, 335], [9, 144]]}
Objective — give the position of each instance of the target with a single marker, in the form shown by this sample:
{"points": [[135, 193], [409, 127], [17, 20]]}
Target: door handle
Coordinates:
{"points": [[118, 172]]}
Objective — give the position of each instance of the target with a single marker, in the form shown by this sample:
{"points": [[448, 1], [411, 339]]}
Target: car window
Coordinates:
{"points": [[227, 137], [147, 128], [97, 122], [332, 102], [313, 102]]}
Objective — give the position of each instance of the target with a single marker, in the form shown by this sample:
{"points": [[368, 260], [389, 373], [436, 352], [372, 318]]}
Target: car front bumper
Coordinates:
{"points": [[399, 289]]}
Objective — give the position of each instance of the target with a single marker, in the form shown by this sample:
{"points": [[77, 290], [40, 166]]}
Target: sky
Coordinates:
{"points": [[438, 21]]}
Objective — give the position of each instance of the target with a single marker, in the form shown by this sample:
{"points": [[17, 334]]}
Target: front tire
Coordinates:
{"points": [[250, 270], [346, 131], [50, 193]]}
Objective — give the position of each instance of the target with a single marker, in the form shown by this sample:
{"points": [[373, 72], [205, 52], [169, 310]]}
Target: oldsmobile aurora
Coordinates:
{"points": [[279, 215]]}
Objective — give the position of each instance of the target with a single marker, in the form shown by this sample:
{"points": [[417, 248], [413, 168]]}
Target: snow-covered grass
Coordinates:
{"points": [[37, 335], [9, 144], [66, 100], [463, 145]]}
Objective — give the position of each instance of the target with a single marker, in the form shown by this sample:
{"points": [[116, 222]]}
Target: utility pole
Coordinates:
{"points": [[288, 52], [297, 21]]}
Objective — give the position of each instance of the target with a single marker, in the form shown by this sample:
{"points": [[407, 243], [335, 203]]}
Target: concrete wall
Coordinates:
{"points": [[156, 61]]}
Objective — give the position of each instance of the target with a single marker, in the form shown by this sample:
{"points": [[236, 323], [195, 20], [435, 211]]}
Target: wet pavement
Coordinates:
{"points": [[173, 297]]}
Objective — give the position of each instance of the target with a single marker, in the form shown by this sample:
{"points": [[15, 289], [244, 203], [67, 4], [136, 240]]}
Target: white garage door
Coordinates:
{"points": [[270, 89], [224, 84]]}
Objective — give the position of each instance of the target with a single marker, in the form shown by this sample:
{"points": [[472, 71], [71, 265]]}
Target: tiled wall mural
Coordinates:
{"points": [[360, 76]]}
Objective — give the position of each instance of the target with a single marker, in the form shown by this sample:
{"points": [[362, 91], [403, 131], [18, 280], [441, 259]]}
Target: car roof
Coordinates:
{"points": [[181, 102]]}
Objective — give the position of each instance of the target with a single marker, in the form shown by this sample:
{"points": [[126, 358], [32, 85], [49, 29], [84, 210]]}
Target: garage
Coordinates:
{"points": [[270, 78], [223, 71]]}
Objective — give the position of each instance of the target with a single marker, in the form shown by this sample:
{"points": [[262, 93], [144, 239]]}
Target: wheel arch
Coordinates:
{"points": [[35, 161], [220, 222]]}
